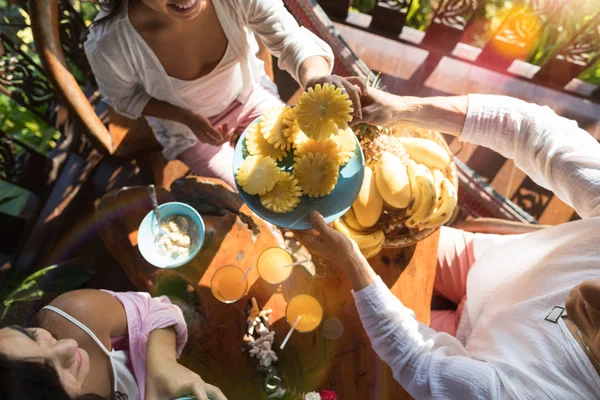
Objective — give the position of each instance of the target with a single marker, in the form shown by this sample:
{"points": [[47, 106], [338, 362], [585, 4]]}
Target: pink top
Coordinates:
{"points": [[145, 314]]}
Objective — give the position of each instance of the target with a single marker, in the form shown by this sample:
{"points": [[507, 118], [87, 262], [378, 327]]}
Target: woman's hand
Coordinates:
{"points": [[340, 250], [205, 132], [167, 379], [354, 86]]}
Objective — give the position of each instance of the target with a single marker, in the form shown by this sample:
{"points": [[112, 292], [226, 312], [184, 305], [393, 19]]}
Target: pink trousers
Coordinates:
{"points": [[216, 161], [457, 251]]}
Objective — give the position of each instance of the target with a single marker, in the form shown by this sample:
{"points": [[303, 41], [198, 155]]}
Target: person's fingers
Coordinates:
{"points": [[214, 392], [308, 239], [198, 391], [211, 136], [319, 223], [354, 94], [355, 80], [369, 114]]}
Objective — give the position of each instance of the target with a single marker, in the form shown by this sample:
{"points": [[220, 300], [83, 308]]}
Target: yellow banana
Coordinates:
{"points": [[370, 253], [415, 200], [368, 204], [363, 240], [427, 152], [445, 206], [428, 196], [392, 180], [350, 219]]}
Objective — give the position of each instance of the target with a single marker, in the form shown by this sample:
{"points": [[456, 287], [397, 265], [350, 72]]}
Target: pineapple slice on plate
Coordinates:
{"points": [[257, 174], [316, 173], [257, 145], [346, 144], [298, 139], [322, 111], [272, 127], [284, 196], [290, 124], [328, 147]]}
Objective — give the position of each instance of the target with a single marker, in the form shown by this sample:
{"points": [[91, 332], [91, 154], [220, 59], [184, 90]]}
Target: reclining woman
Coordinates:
{"points": [[528, 319], [190, 67], [94, 344]]}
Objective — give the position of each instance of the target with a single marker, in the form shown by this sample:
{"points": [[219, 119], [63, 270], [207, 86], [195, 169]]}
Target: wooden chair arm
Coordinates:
{"points": [[497, 226], [45, 27]]}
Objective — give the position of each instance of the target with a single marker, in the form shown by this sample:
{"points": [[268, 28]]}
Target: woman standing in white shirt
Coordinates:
{"points": [[190, 67], [529, 327]]}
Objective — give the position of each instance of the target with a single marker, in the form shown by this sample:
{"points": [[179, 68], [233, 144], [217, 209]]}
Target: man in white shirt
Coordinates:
{"points": [[530, 328]]}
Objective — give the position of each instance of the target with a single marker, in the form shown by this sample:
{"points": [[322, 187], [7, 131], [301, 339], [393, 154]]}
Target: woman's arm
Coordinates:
{"points": [[199, 125], [552, 150], [166, 378], [426, 363]]}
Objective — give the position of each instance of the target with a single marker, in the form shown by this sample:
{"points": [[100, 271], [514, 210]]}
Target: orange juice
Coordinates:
{"points": [[270, 262], [226, 285], [309, 308]]}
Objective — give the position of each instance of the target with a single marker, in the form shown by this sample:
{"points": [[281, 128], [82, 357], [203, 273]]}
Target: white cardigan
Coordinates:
{"points": [[129, 74], [504, 348]]}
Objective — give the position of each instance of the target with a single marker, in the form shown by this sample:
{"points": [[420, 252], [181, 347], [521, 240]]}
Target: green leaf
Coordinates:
{"points": [[55, 279]]}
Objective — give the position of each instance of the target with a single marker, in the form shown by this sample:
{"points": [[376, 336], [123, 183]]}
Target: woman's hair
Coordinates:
{"points": [[33, 380], [112, 7]]}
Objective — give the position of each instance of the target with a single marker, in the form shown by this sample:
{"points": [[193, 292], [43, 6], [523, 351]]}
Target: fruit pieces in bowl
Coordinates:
{"points": [[315, 164], [413, 178]]}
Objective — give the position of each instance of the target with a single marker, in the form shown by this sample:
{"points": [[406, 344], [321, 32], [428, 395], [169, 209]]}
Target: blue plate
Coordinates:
{"points": [[148, 231], [332, 206]]}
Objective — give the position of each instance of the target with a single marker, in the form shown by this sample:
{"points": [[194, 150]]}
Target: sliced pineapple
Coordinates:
{"points": [[298, 139], [257, 174], [322, 111], [272, 127], [290, 124], [346, 144], [284, 196], [257, 145], [328, 147], [316, 173]]}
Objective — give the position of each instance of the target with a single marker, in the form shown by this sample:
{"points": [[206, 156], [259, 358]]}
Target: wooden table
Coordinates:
{"points": [[215, 348]]}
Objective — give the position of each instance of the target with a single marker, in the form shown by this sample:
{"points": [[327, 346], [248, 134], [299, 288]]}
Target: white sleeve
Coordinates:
{"points": [[282, 35], [116, 79], [428, 364], [552, 150]]}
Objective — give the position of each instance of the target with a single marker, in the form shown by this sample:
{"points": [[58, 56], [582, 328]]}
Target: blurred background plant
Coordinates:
{"points": [[558, 26], [16, 120]]}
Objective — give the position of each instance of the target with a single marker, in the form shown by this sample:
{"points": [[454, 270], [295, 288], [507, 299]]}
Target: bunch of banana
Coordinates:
{"points": [[418, 185], [370, 244]]}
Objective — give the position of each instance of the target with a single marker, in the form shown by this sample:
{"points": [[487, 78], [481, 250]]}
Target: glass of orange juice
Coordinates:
{"points": [[229, 284], [308, 308], [270, 263]]}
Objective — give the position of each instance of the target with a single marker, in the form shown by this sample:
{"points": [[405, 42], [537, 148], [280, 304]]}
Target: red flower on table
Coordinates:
{"points": [[328, 395]]}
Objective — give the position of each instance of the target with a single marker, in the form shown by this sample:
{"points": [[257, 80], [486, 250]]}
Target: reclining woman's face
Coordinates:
{"points": [[583, 308], [180, 9], [72, 364]]}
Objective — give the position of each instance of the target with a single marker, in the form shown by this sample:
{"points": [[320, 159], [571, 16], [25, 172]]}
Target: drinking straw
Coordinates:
{"points": [[295, 263], [290, 332], [245, 274]]}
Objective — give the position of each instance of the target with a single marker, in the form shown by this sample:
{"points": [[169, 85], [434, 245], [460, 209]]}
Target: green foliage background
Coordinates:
{"points": [[559, 28], [16, 120]]}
